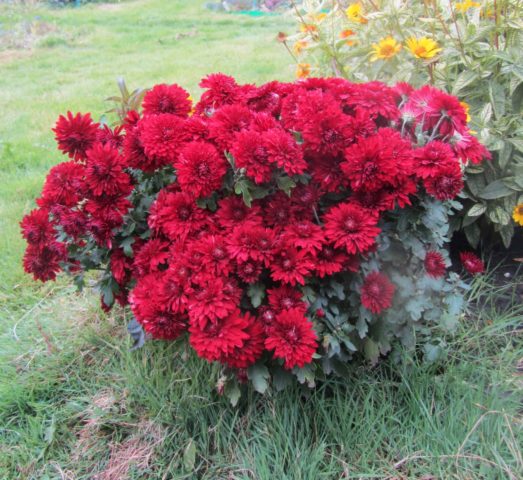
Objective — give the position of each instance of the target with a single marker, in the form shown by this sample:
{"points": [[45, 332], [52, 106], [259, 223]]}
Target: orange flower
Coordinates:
{"points": [[303, 70], [346, 34], [299, 46]]}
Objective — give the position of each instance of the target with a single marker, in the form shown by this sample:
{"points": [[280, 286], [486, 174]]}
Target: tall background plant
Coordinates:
{"points": [[470, 49]]}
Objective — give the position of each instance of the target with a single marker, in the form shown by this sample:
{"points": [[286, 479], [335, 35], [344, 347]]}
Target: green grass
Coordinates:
{"points": [[76, 403]]}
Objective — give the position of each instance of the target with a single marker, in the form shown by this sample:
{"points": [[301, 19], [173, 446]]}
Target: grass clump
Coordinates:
{"points": [[92, 407]]}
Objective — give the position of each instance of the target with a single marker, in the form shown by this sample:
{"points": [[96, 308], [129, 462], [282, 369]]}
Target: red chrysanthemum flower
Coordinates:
{"points": [[250, 241], [369, 164], [329, 261], [284, 151], [277, 211], [252, 348], [75, 134], [212, 298], [162, 137], [430, 158], [250, 152], [290, 265], [472, 263], [104, 173], [249, 270], [195, 128], [151, 256], [121, 266], [292, 338], [106, 135], [351, 227], [468, 148], [305, 235], [154, 316], [219, 339], [164, 98], [63, 185], [220, 90], [214, 256], [176, 215], [36, 227], [326, 171], [285, 297], [43, 261], [374, 200], [73, 222], [173, 290], [227, 122], [232, 211], [377, 292], [134, 152], [435, 264], [375, 99], [266, 98], [446, 183], [200, 168]]}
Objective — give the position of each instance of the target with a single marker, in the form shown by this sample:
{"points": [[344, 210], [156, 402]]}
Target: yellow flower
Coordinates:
{"points": [[318, 17], [423, 47], [385, 49], [303, 70], [346, 34], [355, 13], [299, 46], [464, 6], [517, 214], [466, 107]]}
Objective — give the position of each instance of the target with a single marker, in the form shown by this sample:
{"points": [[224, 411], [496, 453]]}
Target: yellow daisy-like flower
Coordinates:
{"points": [[308, 28], [346, 34], [303, 70], [466, 107], [517, 214], [423, 47], [385, 49], [355, 13], [466, 5], [299, 46]]}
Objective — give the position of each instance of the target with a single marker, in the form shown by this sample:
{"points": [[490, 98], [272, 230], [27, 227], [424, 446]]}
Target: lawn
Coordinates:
{"points": [[75, 403]]}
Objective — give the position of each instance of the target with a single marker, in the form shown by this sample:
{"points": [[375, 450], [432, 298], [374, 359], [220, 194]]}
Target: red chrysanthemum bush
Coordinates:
{"points": [[282, 230]]}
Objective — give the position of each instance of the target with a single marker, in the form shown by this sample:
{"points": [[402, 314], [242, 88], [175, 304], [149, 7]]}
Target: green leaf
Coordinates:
{"points": [[477, 210], [305, 374], [371, 351], [498, 215], [281, 379], [432, 352], [473, 234], [259, 376], [464, 78], [241, 187], [486, 114], [256, 293], [189, 456], [497, 98], [496, 189], [286, 184], [505, 154], [232, 392], [518, 143], [507, 232]]}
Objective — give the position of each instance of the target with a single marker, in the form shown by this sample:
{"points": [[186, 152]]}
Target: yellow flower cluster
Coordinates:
{"points": [[466, 5], [424, 48]]}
